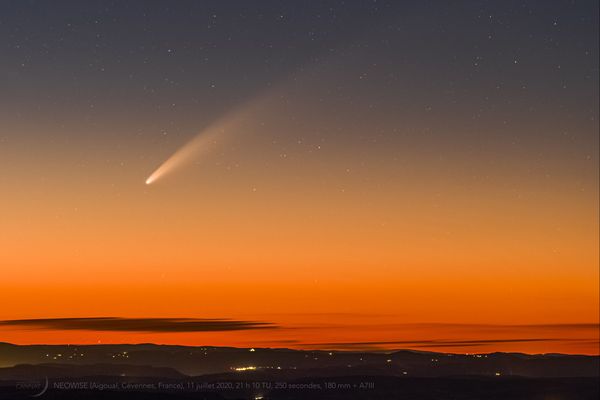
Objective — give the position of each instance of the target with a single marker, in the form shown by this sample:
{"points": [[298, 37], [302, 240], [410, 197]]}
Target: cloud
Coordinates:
{"points": [[432, 343], [592, 326], [156, 325]]}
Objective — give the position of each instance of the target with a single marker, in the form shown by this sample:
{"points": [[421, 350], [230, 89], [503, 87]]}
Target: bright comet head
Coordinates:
{"points": [[151, 179]]}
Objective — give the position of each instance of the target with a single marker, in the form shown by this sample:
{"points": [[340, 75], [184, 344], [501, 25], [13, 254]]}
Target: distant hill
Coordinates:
{"points": [[203, 360], [58, 371], [148, 371]]}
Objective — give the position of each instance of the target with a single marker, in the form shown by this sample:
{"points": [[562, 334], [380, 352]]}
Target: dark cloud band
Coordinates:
{"points": [[139, 324], [433, 343]]}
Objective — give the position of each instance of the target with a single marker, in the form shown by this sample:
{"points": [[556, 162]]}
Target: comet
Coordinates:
{"points": [[205, 141], [202, 142], [215, 134]]}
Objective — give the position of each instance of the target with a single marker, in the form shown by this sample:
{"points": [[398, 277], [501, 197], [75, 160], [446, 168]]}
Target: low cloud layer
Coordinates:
{"points": [[138, 324], [427, 343]]}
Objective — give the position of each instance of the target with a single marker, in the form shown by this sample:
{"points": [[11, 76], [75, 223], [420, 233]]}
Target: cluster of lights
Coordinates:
{"points": [[60, 355], [119, 355], [253, 368], [249, 368]]}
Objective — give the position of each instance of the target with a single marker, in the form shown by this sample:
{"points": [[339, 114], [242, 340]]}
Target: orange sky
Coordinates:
{"points": [[329, 255]]}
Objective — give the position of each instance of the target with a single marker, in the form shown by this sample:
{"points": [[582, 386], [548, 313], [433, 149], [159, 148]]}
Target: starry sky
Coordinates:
{"points": [[424, 173]]}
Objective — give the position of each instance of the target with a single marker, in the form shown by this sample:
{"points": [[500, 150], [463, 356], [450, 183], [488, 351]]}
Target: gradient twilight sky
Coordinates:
{"points": [[366, 174]]}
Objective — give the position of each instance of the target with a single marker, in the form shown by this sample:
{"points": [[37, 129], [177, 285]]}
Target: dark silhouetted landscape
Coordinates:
{"points": [[182, 372]]}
